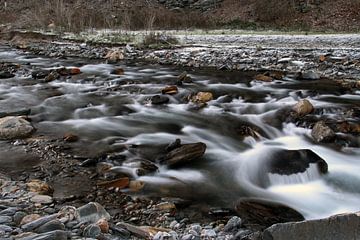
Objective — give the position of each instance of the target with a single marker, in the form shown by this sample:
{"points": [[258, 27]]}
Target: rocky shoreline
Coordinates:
{"points": [[34, 205]]}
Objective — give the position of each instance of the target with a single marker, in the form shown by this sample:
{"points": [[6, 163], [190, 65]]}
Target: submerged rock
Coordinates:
{"points": [[345, 227], [266, 213], [322, 133], [5, 75], [15, 127], [184, 154]]}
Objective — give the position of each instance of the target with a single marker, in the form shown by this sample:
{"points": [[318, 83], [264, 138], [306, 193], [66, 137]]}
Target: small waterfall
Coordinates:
{"points": [[311, 174]]}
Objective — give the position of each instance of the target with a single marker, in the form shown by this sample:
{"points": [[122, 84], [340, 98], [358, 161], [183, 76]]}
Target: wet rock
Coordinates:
{"points": [[263, 78], [303, 107], [322, 133], [118, 71], [233, 224], [117, 183], [38, 222], [20, 218], [92, 212], [183, 77], [9, 211], [40, 74], [143, 232], [173, 145], [346, 227], [69, 137], [74, 71], [202, 97], [265, 213], [23, 112], [52, 76], [92, 231], [5, 75], [42, 199], [170, 90], [103, 225], [287, 162], [136, 185], [51, 226], [39, 187], [15, 127], [184, 154], [159, 99], [310, 75]]}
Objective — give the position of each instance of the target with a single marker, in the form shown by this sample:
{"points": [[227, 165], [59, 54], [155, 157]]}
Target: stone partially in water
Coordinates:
{"points": [[159, 99], [170, 90], [5, 75], [266, 213], [185, 154], [202, 97], [322, 133], [15, 127], [263, 78], [303, 107], [92, 212], [310, 75]]}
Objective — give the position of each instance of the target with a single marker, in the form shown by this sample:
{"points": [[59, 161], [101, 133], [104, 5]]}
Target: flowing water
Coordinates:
{"points": [[111, 113]]}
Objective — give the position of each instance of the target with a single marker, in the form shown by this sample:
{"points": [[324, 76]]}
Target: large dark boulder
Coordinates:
{"points": [[344, 227], [266, 213]]}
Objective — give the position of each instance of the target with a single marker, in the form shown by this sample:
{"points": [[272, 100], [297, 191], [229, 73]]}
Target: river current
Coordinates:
{"points": [[109, 111]]}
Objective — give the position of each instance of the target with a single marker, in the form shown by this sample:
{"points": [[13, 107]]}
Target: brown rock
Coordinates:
{"points": [[115, 55], [75, 71], [118, 183], [203, 97], [277, 75], [170, 90], [266, 213], [39, 187], [69, 137], [185, 154], [263, 78], [303, 107], [103, 225], [118, 71], [322, 58], [136, 185], [29, 218], [322, 133]]}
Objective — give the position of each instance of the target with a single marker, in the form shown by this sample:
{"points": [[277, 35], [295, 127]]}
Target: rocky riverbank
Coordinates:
{"points": [[62, 192]]}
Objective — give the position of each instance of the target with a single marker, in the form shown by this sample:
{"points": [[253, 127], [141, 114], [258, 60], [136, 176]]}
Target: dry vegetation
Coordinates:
{"points": [[78, 15]]}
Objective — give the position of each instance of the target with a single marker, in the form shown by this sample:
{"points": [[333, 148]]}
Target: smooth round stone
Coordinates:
{"points": [[42, 199], [51, 226]]}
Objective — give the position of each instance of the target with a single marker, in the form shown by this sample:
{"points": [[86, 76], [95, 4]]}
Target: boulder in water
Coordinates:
{"points": [[303, 107], [266, 213], [202, 97], [185, 154], [170, 90], [159, 99], [15, 127], [263, 78], [5, 75], [322, 133]]}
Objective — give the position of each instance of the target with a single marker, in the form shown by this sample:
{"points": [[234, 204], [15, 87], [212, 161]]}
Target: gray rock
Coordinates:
{"points": [[5, 219], [208, 233], [51, 226], [310, 75], [233, 224], [92, 231], [5, 228], [15, 127], [54, 235], [4, 75], [92, 212], [18, 217], [344, 227], [322, 133], [43, 199], [9, 211], [38, 222]]}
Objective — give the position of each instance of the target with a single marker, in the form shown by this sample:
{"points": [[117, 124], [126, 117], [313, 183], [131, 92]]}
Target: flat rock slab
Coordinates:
{"points": [[15, 127], [344, 227]]}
